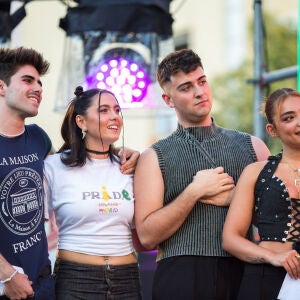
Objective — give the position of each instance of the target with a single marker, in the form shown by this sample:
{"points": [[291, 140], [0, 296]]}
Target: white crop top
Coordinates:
{"points": [[93, 206]]}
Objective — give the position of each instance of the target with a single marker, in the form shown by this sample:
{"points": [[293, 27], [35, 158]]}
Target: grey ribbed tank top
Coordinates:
{"points": [[180, 156]]}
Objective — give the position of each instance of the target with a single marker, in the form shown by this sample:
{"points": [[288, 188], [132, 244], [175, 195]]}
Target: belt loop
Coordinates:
{"points": [[106, 259]]}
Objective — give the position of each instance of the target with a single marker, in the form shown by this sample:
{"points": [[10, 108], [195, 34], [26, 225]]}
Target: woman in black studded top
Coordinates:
{"points": [[268, 195]]}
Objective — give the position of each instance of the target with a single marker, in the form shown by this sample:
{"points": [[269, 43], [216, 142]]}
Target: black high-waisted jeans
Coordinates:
{"points": [[88, 282]]}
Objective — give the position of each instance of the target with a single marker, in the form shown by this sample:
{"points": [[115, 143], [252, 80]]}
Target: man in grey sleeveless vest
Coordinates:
{"points": [[183, 186]]}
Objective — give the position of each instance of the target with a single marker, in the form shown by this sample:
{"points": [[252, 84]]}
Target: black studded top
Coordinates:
{"points": [[277, 215]]}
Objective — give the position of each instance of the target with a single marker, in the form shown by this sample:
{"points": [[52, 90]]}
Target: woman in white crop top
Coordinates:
{"points": [[93, 204]]}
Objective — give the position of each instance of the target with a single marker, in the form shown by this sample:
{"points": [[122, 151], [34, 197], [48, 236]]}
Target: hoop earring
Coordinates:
{"points": [[83, 133]]}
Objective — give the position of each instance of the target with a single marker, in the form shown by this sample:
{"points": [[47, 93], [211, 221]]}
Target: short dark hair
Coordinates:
{"points": [[12, 59], [184, 60]]}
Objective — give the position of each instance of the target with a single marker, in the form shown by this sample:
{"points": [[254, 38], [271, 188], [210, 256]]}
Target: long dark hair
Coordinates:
{"points": [[73, 151]]}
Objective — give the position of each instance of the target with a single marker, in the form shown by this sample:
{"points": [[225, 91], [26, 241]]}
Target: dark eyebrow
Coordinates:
{"points": [[32, 78], [106, 105], [287, 113], [188, 82]]}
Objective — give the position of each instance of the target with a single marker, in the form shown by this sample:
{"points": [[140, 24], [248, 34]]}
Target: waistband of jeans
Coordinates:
{"points": [[99, 267], [96, 260]]}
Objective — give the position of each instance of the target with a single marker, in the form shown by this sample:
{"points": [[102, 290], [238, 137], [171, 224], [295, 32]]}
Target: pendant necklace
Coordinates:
{"points": [[296, 173], [297, 177]]}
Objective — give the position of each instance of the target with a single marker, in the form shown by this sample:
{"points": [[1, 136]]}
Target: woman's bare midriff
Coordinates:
{"points": [[89, 259]]}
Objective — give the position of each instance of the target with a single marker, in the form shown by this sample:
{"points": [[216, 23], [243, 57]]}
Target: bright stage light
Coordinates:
{"points": [[119, 50], [124, 72]]}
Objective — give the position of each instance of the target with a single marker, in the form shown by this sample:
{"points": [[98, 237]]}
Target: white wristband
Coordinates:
{"points": [[10, 277]]}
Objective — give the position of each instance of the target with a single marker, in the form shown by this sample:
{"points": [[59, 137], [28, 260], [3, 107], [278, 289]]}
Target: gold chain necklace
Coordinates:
{"points": [[296, 173], [297, 177]]}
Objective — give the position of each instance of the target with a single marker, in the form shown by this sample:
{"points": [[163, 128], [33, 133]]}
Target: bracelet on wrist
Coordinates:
{"points": [[10, 277]]}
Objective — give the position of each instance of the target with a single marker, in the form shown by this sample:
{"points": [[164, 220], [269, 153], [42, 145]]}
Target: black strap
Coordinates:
{"points": [[204, 152], [266, 174]]}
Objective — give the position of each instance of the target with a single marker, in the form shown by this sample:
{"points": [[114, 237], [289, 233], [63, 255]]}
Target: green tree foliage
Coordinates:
{"points": [[233, 96]]}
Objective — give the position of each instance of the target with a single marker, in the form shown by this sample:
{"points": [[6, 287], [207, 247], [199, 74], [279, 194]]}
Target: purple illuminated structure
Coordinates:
{"points": [[125, 78]]}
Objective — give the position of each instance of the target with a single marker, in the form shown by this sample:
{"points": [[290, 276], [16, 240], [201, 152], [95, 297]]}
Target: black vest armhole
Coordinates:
{"points": [[266, 174]]}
